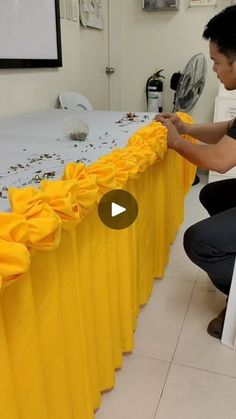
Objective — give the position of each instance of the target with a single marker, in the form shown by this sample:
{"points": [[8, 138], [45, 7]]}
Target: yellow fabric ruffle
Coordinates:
{"points": [[70, 199], [44, 225], [14, 261], [14, 255], [125, 167], [75, 311], [189, 169], [87, 192], [13, 227], [38, 215]]}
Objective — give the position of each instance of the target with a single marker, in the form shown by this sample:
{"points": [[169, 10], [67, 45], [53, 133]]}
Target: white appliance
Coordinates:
{"points": [[225, 109]]}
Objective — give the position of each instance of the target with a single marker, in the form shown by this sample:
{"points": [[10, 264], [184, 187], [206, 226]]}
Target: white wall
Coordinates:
{"points": [[167, 39], [23, 90], [32, 89], [140, 43]]}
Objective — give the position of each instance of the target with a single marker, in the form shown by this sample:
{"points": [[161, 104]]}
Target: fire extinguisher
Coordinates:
{"points": [[154, 89]]}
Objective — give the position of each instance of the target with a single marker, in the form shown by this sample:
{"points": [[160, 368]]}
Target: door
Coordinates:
{"points": [[94, 45], [99, 51], [114, 54]]}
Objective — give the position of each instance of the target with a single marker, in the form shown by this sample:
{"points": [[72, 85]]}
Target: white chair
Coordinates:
{"points": [[229, 331], [74, 101]]}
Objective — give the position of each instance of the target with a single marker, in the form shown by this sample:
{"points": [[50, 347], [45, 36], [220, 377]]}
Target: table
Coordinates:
{"points": [[40, 136], [71, 287]]}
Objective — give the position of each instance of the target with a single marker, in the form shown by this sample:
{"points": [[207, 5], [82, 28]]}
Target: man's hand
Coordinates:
{"points": [[172, 117], [173, 135]]}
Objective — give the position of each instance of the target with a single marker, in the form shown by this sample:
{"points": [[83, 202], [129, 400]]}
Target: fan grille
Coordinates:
{"points": [[191, 83]]}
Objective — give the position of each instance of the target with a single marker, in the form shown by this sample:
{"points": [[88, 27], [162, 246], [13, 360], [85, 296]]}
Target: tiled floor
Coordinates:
{"points": [[177, 370]]}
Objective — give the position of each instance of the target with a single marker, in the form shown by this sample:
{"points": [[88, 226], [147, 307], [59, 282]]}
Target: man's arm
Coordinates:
{"points": [[219, 157], [206, 133]]}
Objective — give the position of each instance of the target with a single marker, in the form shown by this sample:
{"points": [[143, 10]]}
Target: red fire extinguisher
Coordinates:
{"points": [[154, 91]]}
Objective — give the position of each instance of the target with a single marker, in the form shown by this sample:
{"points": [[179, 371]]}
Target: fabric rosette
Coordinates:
{"points": [[14, 255], [14, 261], [189, 170], [189, 120], [125, 166], [105, 175], [156, 136], [185, 117], [13, 227], [44, 225], [153, 136], [62, 199], [134, 154], [87, 194], [76, 171], [147, 157]]}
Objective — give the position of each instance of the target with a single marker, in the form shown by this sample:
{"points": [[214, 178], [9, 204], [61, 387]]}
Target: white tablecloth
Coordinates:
{"points": [[35, 146]]}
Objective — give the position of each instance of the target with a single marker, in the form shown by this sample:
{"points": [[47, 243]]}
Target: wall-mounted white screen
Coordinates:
{"points": [[30, 33]]}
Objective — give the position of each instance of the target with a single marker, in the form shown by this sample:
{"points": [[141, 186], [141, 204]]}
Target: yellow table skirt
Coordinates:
{"points": [[65, 324]]}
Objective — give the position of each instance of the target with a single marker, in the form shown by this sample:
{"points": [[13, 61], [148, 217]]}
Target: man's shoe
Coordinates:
{"points": [[215, 327]]}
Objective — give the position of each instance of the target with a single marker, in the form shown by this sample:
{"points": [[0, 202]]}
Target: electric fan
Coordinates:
{"points": [[189, 84]]}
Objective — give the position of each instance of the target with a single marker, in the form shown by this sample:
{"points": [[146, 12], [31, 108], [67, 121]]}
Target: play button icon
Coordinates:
{"points": [[118, 209]]}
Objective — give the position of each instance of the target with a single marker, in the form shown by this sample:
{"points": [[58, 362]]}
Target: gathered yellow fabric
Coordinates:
{"points": [[64, 203], [75, 171], [14, 261], [70, 199], [153, 136], [189, 169], [124, 166], [75, 307], [14, 255], [13, 227], [87, 191], [105, 176], [44, 225]]}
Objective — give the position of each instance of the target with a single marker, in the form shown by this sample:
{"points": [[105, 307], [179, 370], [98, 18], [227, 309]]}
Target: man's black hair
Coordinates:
{"points": [[221, 29]]}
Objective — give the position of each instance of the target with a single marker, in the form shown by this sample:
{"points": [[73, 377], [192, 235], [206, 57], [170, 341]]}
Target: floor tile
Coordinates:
{"points": [[193, 214], [160, 321], [180, 266], [195, 347], [137, 391], [194, 394], [201, 382], [202, 276], [194, 211]]}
